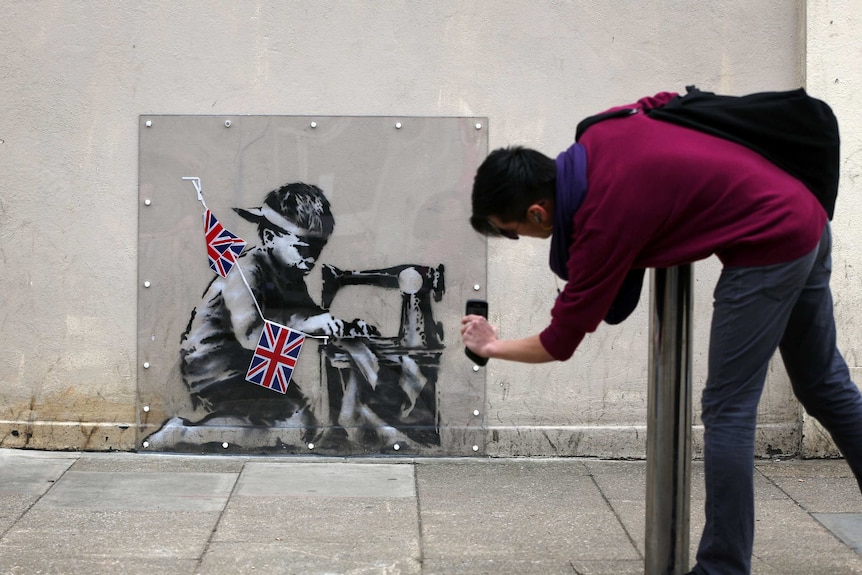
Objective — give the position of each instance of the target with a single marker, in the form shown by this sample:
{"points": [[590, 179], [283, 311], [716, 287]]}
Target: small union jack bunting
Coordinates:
{"points": [[223, 248], [275, 357]]}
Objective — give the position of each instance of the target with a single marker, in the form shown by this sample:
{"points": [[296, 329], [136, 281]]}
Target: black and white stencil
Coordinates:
{"points": [[378, 391]]}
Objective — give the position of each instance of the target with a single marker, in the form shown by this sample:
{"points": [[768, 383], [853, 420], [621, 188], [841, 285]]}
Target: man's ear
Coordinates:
{"points": [[267, 235], [537, 213]]}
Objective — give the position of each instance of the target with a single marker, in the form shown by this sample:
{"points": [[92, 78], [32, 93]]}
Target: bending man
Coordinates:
{"points": [[636, 192]]}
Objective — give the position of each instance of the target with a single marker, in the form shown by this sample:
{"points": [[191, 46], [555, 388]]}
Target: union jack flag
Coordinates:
{"points": [[222, 246], [275, 357]]}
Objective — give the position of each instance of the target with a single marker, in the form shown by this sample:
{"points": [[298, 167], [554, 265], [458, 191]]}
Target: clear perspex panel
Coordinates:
{"points": [[336, 331]]}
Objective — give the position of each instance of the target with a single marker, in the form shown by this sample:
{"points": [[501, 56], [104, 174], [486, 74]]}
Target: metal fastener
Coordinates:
{"points": [[478, 126], [147, 202], [476, 287], [149, 124], [314, 124], [146, 365], [227, 123], [146, 284], [397, 125]]}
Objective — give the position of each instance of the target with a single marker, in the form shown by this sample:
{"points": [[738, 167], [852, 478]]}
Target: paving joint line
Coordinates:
{"points": [[37, 500], [614, 511], [419, 518], [209, 540]]}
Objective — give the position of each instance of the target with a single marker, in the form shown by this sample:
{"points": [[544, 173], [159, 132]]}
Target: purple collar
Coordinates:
{"points": [[571, 189]]}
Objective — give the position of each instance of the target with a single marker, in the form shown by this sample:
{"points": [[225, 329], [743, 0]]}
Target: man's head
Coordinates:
{"points": [[294, 224], [513, 186]]}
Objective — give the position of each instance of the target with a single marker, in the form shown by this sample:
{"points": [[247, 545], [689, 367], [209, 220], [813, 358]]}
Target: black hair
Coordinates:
{"points": [[304, 205], [508, 182], [299, 203]]}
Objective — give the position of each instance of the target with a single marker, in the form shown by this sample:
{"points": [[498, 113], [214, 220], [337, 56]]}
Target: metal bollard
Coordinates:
{"points": [[668, 481]]}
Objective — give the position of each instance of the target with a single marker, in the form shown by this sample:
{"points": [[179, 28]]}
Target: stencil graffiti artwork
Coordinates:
{"points": [[323, 315], [381, 391]]}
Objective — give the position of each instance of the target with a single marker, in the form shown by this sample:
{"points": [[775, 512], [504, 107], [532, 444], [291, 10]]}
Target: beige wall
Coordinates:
{"points": [[833, 53], [76, 76]]}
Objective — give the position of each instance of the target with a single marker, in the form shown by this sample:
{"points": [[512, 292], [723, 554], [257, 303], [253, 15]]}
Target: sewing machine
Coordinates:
{"points": [[384, 388]]}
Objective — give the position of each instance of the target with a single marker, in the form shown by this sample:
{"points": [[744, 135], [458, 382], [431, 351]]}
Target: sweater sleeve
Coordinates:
{"points": [[599, 263]]}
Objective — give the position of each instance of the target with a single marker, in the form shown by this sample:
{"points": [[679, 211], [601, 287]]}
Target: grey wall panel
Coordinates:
{"points": [[387, 283]]}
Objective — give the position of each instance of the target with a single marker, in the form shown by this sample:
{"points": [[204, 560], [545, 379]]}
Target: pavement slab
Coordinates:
{"points": [[30, 473], [291, 479], [560, 515], [292, 517], [135, 491], [164, 462], [76, 540], [846, 526]]}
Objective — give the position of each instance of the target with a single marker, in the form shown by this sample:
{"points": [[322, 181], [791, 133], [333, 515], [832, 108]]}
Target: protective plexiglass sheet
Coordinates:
{"points": [[355, 228]]}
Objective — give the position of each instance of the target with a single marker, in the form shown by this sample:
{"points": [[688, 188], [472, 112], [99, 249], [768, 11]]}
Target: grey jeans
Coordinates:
{"points": [[757, 310]]}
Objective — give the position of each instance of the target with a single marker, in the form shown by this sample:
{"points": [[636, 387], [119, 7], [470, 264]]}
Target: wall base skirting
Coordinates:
{"points": [[621, 442], [614, 442], [67, 435], [816, 442]]}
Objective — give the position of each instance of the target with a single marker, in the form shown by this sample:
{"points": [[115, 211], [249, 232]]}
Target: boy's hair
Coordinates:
{"points": [[301, 204], [508, 182]]}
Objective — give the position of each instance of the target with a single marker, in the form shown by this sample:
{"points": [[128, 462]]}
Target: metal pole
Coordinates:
{"points": [[668, 481]]}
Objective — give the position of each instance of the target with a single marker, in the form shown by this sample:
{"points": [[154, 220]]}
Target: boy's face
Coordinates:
{"points": [[295, 249]]}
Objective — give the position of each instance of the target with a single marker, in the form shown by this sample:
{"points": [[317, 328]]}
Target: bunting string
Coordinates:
{"points": [[251, 293]]}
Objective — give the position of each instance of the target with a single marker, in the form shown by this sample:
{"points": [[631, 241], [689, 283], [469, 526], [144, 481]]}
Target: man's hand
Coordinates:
{"points": [[477, 334], [481, 338]]}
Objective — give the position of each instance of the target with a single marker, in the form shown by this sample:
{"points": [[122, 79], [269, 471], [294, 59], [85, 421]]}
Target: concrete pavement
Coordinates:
{"points": [[112, 513]]}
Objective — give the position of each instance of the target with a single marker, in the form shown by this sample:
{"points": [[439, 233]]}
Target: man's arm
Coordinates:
{"points": [[481, 337]]}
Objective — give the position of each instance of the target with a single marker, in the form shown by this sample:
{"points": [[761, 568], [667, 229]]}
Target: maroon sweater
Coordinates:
{"points": [[660, 195]]}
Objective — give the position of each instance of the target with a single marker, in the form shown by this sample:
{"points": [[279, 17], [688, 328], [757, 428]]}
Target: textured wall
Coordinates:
{"points": [[834, 50], [76, 76]]}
